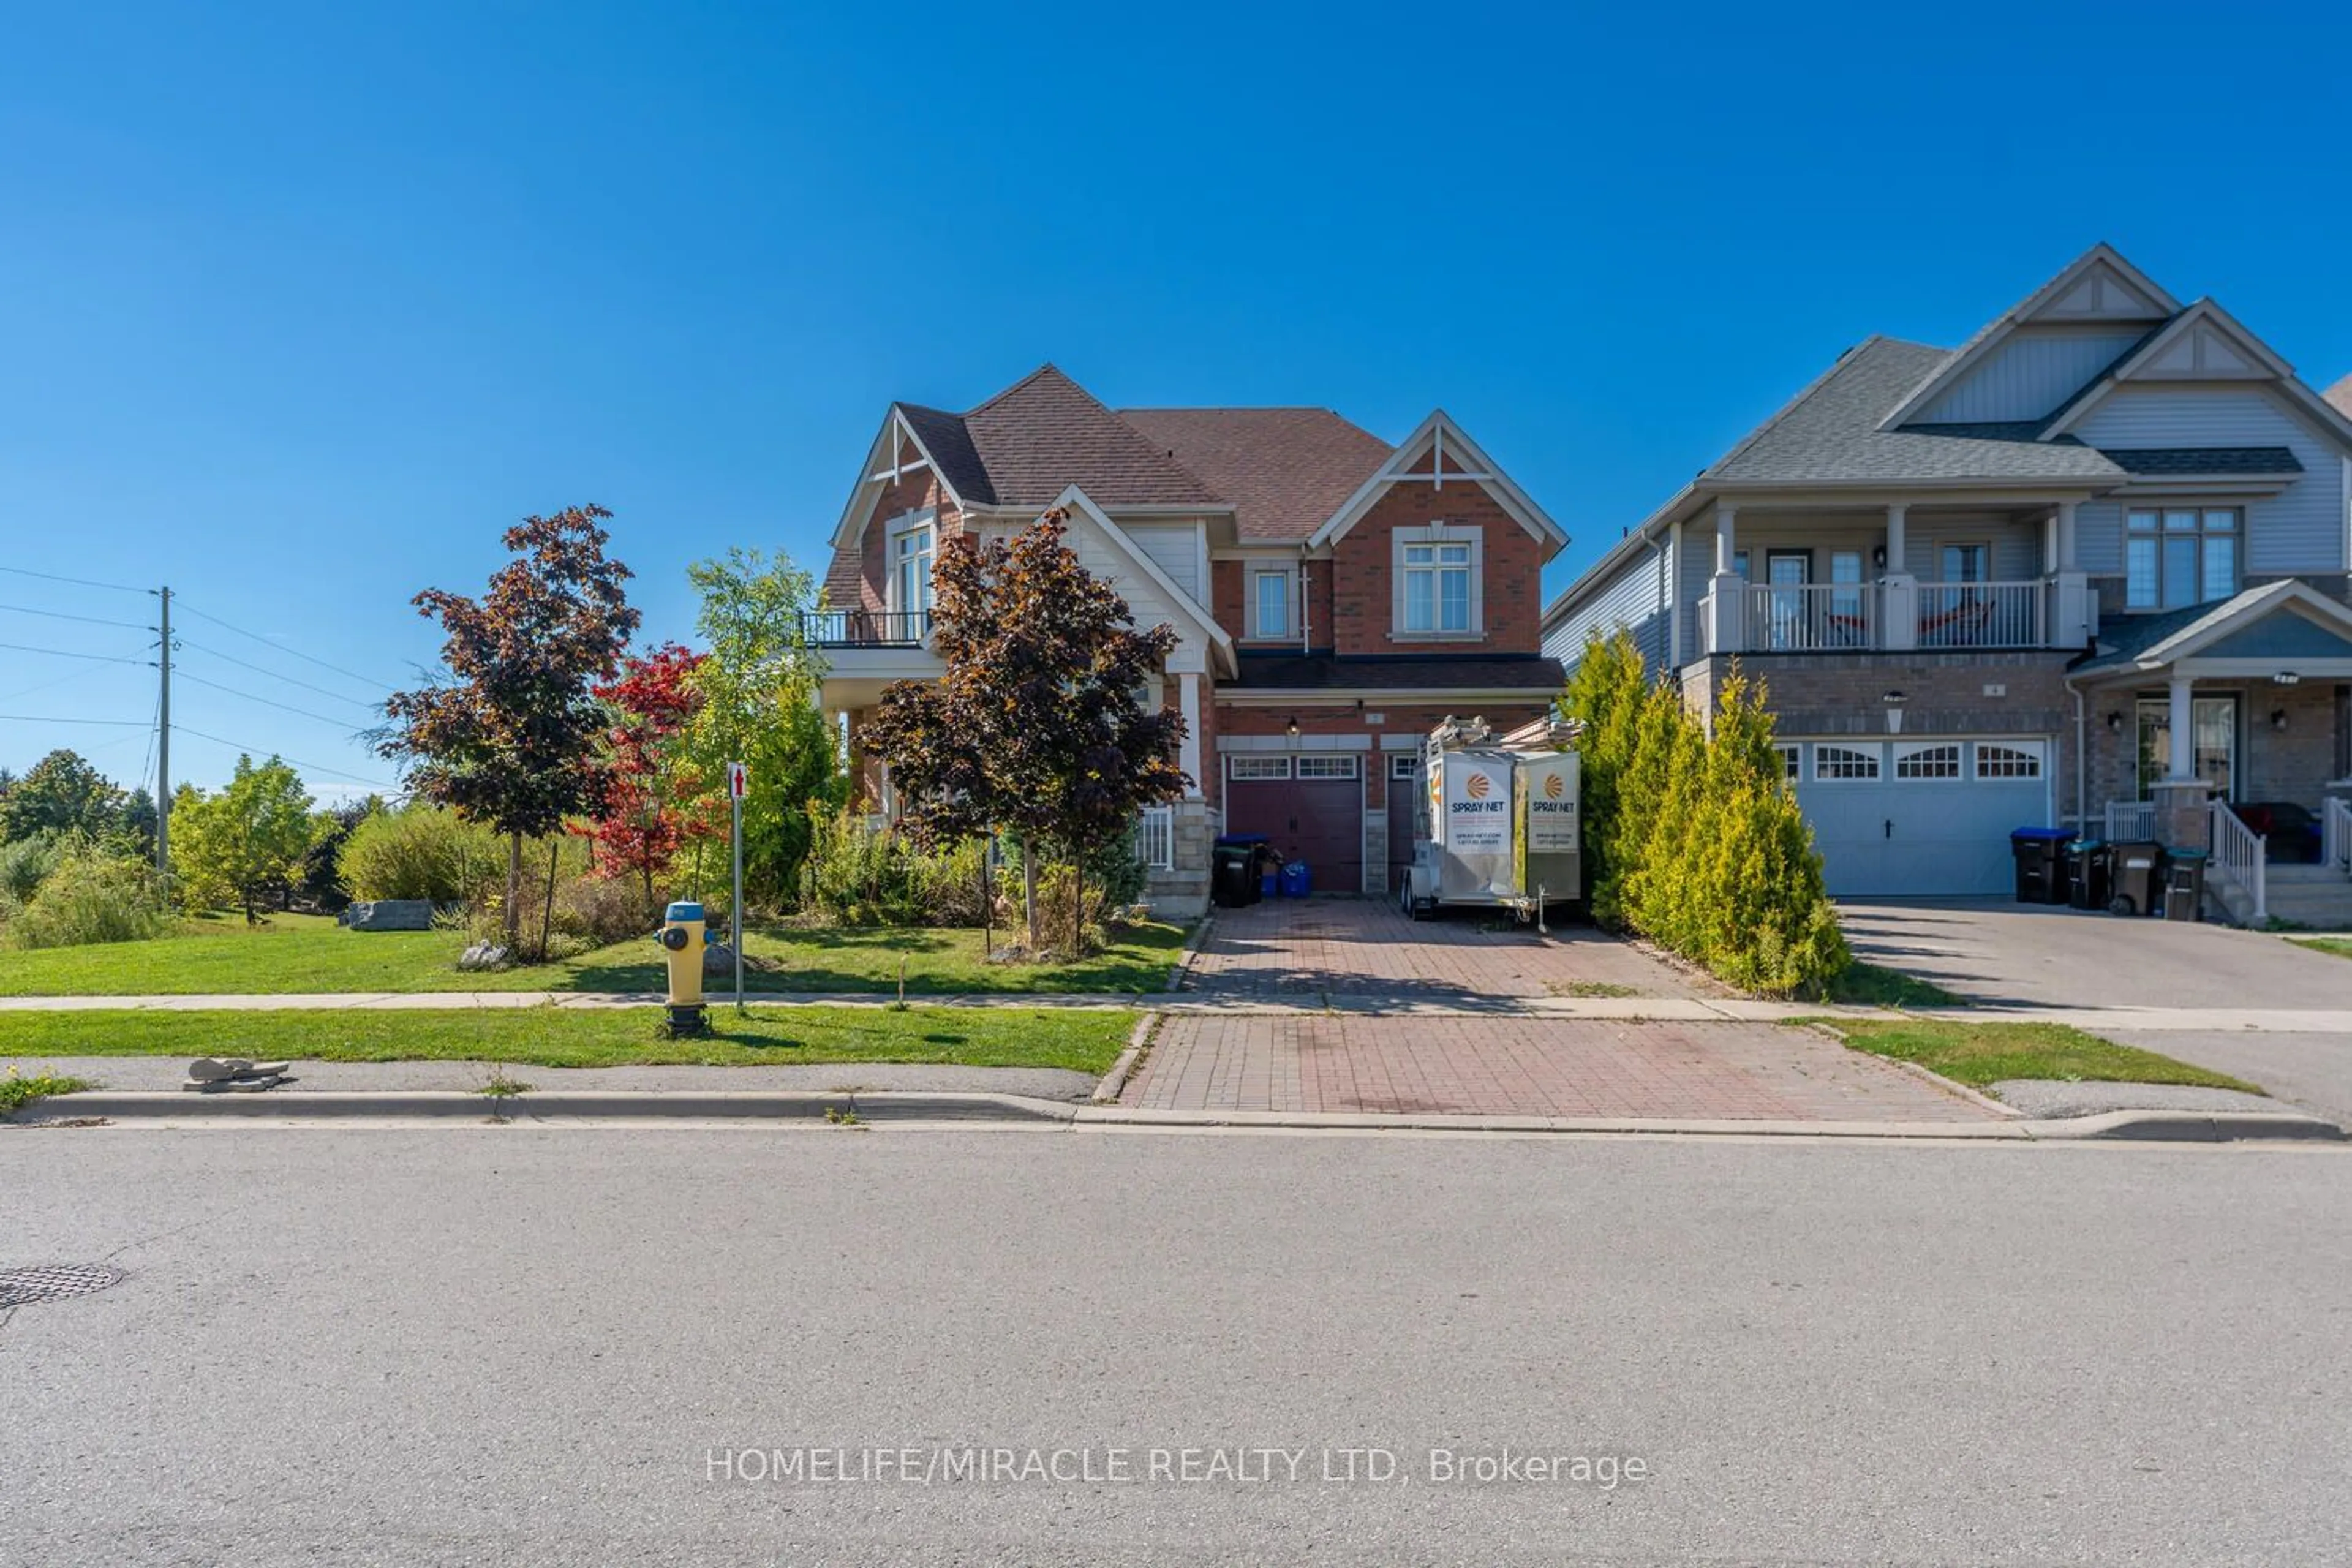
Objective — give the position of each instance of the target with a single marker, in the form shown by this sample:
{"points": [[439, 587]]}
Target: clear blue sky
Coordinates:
{"points": [[303, 304]]}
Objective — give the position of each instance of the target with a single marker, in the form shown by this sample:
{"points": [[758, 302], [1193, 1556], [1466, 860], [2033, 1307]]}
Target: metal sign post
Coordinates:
{"points": [[737, 777]]}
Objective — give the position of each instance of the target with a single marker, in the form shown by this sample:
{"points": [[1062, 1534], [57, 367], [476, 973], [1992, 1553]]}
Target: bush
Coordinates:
{"points": [[600, 910], [421, 852], [25, 864], [89, 898]]}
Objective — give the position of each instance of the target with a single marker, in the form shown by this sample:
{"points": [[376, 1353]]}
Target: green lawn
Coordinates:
{"points": [[2335, 944], [1871, 985], [1979, 1054], [308, 953], [1082, 1040]]}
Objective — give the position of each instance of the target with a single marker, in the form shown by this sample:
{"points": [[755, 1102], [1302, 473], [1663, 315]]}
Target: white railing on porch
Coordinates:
{"points": [[2335, 833], [1155, 839], [2241, 856], [2131, 821], [1981, 614], [1810, 617]]}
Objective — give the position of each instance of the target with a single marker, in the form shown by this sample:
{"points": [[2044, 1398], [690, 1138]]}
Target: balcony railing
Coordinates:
{"points": [[1981, 614], [866, 628], [1811, 618]]}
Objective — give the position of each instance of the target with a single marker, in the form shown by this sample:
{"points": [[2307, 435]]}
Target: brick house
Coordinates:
{"points": [[2088, 568], [1333, 595]]}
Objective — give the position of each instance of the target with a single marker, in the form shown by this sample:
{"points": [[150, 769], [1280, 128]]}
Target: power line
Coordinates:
{"points": [[297, 653], [247, 664], [297, 762], [68, 653], [83, 674], [77, 581], [264, 702], [46, 719], [93, 620]]}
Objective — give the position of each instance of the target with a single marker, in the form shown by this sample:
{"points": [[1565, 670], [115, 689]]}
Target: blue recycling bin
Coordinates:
{"points": [[1297, 880]]}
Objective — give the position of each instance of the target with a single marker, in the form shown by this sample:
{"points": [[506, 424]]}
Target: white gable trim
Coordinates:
{"points": [[1455, 457], [1205, 624], [2047, 303], [2202, 324], [2246, 609], [885, 464]]}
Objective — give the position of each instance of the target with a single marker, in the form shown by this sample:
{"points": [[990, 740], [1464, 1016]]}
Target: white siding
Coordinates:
{"points": [[2016, 547], [1174, 548], [2302, 529], [2029, 375], [1631, 598]]}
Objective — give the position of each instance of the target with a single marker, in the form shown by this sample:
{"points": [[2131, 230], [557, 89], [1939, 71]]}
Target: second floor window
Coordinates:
{"points": [[1437, 587], [911, 547], [2178, 556], [1270, 605]]}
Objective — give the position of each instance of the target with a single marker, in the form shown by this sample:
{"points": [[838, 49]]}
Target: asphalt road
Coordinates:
{"points": [[524, 1345]]}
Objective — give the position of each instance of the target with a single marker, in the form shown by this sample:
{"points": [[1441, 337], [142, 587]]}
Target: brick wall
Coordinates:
{"points": [[1362, 618], [871, 585], [2289, 764], [1318, 726]]}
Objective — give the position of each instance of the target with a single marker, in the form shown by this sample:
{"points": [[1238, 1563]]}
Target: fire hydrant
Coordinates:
{"points": [[683, 937]]}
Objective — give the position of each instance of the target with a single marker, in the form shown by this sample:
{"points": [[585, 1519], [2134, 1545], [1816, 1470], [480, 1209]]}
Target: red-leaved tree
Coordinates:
{"points": [[655, 799]]}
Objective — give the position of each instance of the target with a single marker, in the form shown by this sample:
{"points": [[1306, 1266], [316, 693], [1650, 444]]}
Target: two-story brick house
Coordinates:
{"points": [[2089, 567], [1333, 595]]}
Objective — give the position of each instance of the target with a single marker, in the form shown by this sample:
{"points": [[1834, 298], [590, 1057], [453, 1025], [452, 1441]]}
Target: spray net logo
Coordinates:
{"points": [[1477, 786], [1554, 786]]}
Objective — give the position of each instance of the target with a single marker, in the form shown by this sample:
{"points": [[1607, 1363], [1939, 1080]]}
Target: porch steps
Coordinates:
{"points": [[2318, 896]]}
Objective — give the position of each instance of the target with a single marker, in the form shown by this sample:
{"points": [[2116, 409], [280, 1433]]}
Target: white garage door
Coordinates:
{"points": [[1920, 818]]}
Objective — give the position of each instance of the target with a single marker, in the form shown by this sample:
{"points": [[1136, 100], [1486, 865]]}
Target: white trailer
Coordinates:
{"points": [[1500, 824]]}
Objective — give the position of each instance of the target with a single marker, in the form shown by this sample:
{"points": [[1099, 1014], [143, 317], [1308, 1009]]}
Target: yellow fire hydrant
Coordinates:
{"points": [[683, 937]]}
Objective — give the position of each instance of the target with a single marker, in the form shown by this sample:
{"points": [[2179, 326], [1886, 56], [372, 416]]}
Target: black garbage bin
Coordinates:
{"points": [[2036, 851], [1233, 869], [2090, 873], [2184, 884], [2136, 879]]}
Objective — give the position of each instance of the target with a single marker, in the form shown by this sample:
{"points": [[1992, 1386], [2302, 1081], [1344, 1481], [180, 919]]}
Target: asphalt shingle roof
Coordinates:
{"points": [[2340, 394], [1045, 433], [2205, 459], [2123, 639], [1830, 434], [1285, 470]]}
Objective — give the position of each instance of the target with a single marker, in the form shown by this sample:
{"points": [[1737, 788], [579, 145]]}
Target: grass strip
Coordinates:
{"points": [[1981, 1054]]}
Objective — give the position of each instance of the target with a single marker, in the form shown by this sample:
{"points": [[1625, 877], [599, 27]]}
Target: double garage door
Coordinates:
{"points": [[1310, 808], [1927, 817]]}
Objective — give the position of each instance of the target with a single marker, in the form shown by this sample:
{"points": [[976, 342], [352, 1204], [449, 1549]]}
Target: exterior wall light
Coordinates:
{"points": [[1895, 701], [2278, 719]]}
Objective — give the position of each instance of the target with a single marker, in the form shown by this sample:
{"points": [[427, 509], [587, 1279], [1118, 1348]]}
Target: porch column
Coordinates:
{"points": [[2182, 764], [1726, 601], [2181, 819], [2074, 613], [1899, 588], [1188, 754]]}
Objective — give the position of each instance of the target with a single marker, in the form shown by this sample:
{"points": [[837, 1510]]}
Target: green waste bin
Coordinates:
{"points": [[2184, 884], [2090, 874]]}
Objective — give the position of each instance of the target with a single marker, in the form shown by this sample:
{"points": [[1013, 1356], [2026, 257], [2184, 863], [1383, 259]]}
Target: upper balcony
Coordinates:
{"points": [[1900, 615], [865, 650], [866, 628]]}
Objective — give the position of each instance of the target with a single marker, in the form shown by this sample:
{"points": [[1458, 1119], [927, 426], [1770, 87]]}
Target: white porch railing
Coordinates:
{"points": [[2131, 821], [1155, 839], [1808, 618], [1981, 614], [2335, 833], [2241, 856]]}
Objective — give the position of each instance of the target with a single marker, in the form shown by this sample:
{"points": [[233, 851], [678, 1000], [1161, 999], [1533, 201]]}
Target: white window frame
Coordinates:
{"points": [[1339, 765], [2157, 533], [926, 522], [1873, 754], [1288, 628], [2008, 755], [1253, 770], [1908, 752], [1404, 765], [1792, 760], [1437, 538], [1155, 838]]}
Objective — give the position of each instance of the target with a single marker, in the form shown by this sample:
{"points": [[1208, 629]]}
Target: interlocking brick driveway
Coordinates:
{"points": [[1364, 947], [1470, 1046], [1523, 1065]]}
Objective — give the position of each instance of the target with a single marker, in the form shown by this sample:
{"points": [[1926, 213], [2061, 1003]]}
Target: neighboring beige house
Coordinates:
{"points": [[2090, 567]]}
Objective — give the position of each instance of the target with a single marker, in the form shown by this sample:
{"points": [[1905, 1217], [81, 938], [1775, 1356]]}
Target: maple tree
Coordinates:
{"points": [[654, 797], [509, 739], [1034, 726]]}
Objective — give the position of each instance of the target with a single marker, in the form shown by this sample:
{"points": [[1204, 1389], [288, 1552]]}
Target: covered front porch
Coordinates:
{"points": [[2227, 727]]}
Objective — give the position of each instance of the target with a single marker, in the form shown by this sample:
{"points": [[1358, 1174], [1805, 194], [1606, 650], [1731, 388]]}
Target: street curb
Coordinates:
{"points": [[1139, 1040], [1191, 950], [987, 1107]]}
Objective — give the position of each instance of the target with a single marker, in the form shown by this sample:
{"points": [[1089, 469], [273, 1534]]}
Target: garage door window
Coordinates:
{"points": [[1791, 760], [1258, 767], [1928, 762], [1404, 766], [1327, 767], [2008, 762], [1835, 762]]}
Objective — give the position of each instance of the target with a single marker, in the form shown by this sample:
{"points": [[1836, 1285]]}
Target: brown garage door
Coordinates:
{"points": [[1310, 808]]}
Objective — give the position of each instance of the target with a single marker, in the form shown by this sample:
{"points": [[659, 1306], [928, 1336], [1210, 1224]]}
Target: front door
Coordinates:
{"points": [[2213, 723], [1787, 571]]}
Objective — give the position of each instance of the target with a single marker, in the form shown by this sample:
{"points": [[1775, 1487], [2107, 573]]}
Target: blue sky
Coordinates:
{"points": [[303, 304]]}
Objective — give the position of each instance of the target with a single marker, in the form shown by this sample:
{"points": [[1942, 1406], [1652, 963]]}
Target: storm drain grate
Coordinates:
{"points": [[54, 1282]]}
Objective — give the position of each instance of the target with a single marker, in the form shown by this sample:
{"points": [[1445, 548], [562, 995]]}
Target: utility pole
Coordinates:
{"points": [[164, 745]]}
